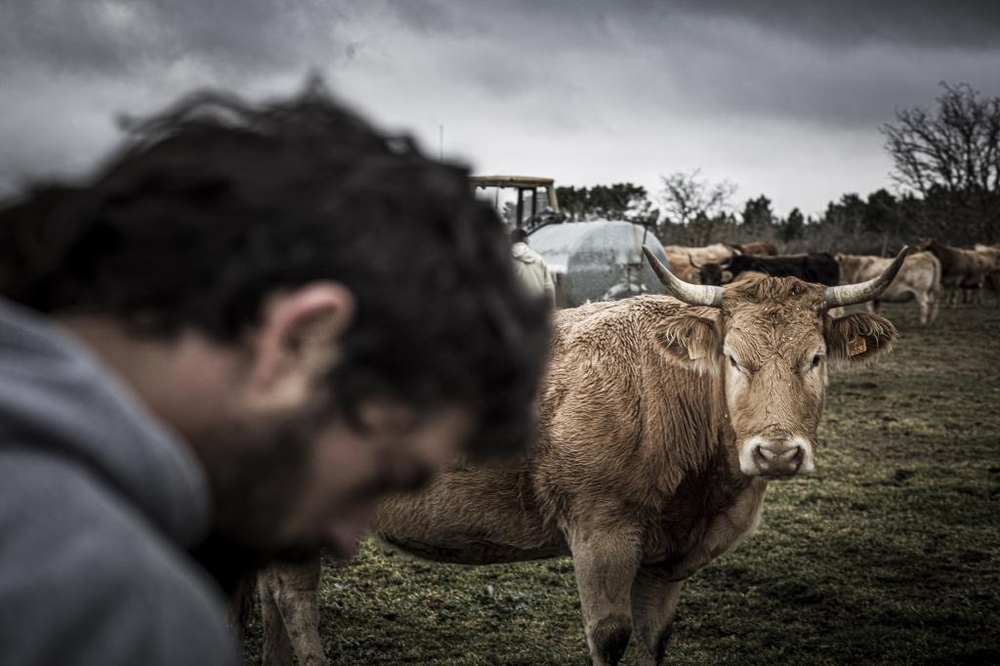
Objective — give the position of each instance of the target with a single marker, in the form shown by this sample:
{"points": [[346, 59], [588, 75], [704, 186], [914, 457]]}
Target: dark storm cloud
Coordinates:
{"points": [[520, 78], [846, 64], [115, 36], [933, 23], [252, 34], [936, 23], [78, 35]]}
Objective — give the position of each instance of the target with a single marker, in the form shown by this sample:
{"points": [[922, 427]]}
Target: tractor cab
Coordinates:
{"points": [[596, 260], [527, 202]]}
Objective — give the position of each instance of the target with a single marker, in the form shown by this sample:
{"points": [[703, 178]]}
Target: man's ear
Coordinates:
{"points": [[860, 336], [691, 341], [298, 339]]}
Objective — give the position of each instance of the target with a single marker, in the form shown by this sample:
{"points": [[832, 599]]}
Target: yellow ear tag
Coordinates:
{"points": [[856, 346]]}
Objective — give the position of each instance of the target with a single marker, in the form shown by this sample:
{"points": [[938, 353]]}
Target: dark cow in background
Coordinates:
{"points": [[661, 422], [992, 254], [817, 267], [961, 269]]}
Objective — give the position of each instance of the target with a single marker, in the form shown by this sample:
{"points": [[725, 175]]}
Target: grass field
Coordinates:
{"points": [[890, 554]]}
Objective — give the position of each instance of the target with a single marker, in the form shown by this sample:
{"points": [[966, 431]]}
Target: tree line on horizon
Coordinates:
{"points": [[946, 168]]}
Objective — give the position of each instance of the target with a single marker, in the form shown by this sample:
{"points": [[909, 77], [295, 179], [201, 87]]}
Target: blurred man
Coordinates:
{"points": [[531, 267], [254, 320]]}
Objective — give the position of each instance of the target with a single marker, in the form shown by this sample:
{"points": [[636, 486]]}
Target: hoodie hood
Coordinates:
{"points": [[524, 254], [57, 398]]}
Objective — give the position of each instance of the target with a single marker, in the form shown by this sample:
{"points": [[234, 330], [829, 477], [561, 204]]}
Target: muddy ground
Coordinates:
{"points": [[890, 554]]}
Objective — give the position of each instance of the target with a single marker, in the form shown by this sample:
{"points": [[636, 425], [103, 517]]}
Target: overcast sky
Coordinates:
{"points": [[781, 97]]}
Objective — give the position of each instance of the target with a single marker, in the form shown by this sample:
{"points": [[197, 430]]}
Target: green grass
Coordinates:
{"points": [[890, 554]]}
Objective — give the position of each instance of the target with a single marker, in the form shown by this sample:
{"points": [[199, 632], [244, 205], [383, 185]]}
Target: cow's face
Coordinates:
{"points": [[769, 342], [711, 273], [776, 341], [773, 363]]}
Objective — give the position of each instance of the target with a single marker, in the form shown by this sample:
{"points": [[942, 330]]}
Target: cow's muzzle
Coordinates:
{"points": [[776, 458]]}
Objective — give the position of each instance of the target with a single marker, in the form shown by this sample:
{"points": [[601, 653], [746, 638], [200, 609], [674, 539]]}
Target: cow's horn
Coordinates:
{"points": [[692, 262], [693, 294], [850, 294]]}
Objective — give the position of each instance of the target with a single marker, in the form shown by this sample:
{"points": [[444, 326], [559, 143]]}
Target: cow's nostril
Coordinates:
{"points": [[779, 458], [765, 453], [787, 453], [780, 454]]}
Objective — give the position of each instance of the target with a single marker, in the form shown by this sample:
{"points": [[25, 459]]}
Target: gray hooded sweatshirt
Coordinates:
{"points": [[533, 272], [97, 505]]}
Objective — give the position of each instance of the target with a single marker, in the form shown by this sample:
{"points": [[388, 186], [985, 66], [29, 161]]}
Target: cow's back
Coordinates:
{"points": [[854, 266]]}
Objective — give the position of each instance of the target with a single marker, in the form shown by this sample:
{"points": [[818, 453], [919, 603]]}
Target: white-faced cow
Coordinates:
{"points": [[919, 279], [662, 421]]}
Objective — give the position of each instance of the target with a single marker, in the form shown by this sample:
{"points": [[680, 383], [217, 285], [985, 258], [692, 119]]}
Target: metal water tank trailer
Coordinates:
{"points": [[598, 260]]}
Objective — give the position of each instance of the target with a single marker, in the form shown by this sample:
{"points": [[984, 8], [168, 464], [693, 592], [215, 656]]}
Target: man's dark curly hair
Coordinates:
{"points": [[217, 203]]}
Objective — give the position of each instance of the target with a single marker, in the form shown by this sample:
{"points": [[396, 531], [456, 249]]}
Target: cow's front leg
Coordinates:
{"points": [[605, 563], [277, 651], [654, 601], [293, 588]]}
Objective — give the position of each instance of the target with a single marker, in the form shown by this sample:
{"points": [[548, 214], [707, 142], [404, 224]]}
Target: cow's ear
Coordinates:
{"points": [[859, 337], [692, 341]]}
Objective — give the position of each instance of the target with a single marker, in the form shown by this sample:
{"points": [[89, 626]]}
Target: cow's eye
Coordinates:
{"points": [[732, 362], [817, 359]]}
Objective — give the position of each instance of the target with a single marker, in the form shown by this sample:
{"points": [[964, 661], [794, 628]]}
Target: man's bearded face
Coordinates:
{"points": [[286, 484]]}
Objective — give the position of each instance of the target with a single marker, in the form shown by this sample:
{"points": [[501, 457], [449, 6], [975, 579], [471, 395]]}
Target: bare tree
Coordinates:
{"points": [[687, 197], [952, 155], [959, 148]]}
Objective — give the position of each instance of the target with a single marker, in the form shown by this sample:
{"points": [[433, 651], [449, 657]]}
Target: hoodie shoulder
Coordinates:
{"points": [[58, 395], [87, 578]]}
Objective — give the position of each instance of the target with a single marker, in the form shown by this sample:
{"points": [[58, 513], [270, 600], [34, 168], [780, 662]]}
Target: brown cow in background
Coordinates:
{"points": [[760, 248], [961, 269], [661, 422], [992, 253]]}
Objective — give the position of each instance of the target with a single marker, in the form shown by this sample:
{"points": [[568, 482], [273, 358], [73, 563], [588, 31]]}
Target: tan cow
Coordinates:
{"points": [[919, 279], [662, 421]]}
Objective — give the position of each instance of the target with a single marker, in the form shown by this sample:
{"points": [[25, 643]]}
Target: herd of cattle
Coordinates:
{"points": [[661, 421], [934, 273]]}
